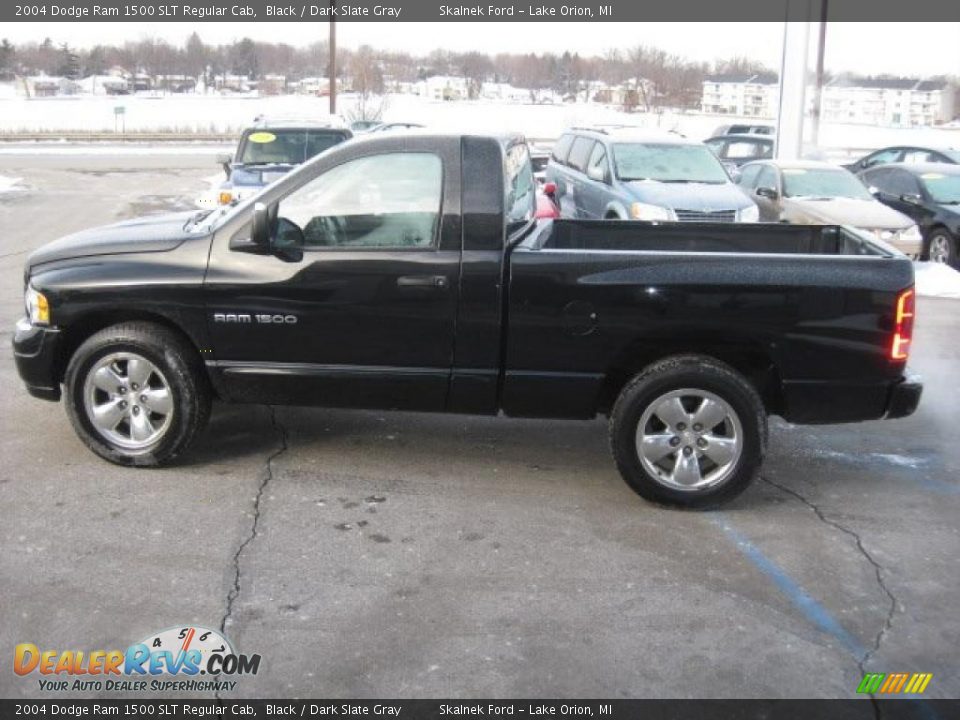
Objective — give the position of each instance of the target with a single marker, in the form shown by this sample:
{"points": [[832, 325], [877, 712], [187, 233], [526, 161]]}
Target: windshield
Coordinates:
{"points": [[285, 147], [668, 163], [801, 182], [943, 189]]}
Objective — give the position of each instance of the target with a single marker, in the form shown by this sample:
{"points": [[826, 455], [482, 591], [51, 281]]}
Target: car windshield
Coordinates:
{"points": [[942, 188], [286, 147], [826, 184], [661, 162]]}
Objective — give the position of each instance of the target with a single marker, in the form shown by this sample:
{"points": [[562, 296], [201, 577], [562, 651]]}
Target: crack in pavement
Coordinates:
{"points": [[267, 477], [877, 568]]}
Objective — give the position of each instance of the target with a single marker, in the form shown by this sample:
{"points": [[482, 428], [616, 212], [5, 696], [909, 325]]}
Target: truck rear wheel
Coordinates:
{"points": [[135, 394], [688, 431]]}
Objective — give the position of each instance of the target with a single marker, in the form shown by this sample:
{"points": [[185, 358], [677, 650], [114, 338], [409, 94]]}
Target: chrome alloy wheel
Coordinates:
{"points": [[689, 439], [939, 248], [128, 400]]}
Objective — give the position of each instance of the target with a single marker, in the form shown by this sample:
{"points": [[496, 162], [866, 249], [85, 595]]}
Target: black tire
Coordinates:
{"points": [[189, 391], [943, 237], [683, 372]]}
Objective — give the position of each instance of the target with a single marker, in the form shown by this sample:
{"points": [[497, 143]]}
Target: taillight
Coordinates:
{"points": [[903, 327]]}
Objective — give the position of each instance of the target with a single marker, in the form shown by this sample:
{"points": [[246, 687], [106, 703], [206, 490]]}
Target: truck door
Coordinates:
{"points": [[355, 304]]}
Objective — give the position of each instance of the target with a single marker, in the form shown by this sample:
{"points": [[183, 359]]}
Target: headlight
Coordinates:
{"points": [[38, 308], [750, 214], [882, 234], [642, 211]]}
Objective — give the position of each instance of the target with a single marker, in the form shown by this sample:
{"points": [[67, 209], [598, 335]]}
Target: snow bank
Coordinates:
{"points": [[9, 184], [191, 113], [937, 280]]}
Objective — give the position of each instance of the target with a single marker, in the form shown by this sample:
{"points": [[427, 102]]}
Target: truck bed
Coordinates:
{"points": [[809, 306]]}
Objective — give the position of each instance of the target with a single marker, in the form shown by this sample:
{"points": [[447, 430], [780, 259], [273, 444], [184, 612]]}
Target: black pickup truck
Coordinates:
{"points": [[408, 272]]}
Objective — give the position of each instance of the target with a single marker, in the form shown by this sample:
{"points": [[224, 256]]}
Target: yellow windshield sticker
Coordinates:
{"points": [[933, 176], [262, 137]]}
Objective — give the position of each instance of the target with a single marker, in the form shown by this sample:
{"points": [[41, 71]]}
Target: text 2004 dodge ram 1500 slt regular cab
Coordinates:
{"points": [[407, 272]]}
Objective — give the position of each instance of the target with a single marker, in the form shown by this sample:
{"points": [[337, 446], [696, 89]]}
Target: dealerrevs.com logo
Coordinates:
{"points": [[183, 659]]}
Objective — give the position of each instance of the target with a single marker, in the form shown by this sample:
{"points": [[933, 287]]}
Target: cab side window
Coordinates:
{"points": [[597, 164], [883, 157], [561, 149], [768, 178], [580, 153], [381, 201], [749, 176]]}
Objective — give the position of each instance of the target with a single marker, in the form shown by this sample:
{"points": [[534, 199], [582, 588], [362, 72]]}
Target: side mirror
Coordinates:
{"points": [[550, 189], [257, 239], [911, 199], [768, 192], [596, 173], [874, 190], [224, 162]]}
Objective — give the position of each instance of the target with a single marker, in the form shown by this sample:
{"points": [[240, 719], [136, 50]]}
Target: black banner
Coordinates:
{"points": [[858, 709], [479, 11]]}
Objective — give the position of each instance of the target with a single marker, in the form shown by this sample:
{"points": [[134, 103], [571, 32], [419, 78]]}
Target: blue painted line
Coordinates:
{"points": [[813, 611]]}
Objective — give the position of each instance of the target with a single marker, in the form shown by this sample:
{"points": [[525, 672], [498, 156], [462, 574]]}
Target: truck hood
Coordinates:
{"points": [[155, 233], [847, 211], [701, 197]]}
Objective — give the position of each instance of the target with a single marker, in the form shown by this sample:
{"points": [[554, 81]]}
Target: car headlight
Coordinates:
{"points": [[750, 214], [37, 306], [882, 234], [643, 211]]}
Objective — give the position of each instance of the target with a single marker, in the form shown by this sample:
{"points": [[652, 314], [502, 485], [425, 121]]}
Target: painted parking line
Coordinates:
{"points": [[812, 610]]}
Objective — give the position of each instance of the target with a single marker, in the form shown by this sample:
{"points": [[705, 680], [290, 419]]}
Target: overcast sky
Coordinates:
{"points": [[896, 48]]}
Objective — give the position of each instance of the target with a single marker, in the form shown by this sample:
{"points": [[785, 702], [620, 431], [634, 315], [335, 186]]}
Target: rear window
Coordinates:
{"points": [[561, 148], [520, 190], [286, 147], [580, 152]]}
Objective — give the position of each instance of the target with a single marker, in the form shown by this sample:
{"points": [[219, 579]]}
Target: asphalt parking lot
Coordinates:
{"points": [[368, 554]]}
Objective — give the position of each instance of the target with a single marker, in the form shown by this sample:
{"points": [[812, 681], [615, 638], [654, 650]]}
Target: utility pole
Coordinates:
{"points": [[333, 58], [818, 91]]}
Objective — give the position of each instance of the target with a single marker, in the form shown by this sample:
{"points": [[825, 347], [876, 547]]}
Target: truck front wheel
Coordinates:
{"points": [[135, 394], [690, 431]]}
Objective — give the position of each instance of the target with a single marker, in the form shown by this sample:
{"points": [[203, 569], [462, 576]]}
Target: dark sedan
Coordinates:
{"points": [[906, 154], [930, 194]]}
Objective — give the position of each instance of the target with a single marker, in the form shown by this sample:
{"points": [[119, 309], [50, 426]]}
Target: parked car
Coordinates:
{"points": [[737, 150], [687, 337], [745, 129], [546, 206], [906, 154], [929, 193], [809, 192], [268, 151], [362, 126], [387, 127], [539, 158], [624, 174]]}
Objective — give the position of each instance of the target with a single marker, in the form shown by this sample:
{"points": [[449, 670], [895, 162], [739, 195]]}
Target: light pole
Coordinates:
{"points": [[333, 58]]}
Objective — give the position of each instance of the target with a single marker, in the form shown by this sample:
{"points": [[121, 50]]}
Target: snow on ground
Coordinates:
{"points": [[9, 184], [937, 280], [192, 113]]}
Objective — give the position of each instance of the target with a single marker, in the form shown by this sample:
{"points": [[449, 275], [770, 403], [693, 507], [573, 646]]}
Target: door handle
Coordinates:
{"points": [[422, 281]]}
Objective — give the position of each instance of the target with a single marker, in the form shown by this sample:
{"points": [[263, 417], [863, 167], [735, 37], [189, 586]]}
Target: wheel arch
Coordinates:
{"points": [[86, 325], [748, 357]]}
